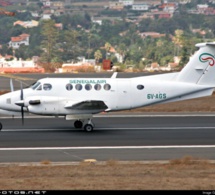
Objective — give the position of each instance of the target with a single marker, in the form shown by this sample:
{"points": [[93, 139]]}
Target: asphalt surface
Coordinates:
{"points": [[120, 137]]}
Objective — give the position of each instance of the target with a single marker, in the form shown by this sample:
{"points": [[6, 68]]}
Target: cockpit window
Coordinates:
{"points": [[47, 86], [35, 85], [39, 88]]}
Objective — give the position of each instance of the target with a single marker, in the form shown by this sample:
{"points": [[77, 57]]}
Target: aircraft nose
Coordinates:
{"points": [[7, 101], [4, 101]]}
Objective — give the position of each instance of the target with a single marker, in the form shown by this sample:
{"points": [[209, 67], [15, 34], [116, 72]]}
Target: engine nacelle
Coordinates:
{"points": [[43, 105]]}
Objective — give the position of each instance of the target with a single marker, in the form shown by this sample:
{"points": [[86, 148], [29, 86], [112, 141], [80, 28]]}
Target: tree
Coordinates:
{"points": [[187, 50], [22, 52], [98, 56], [107, 48], [121, 49], [49, 44], [178, 40], [69, 45]]}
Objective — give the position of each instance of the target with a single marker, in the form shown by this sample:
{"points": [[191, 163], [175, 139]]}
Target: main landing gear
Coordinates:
{"points": [[86, 124], [1, 126]]}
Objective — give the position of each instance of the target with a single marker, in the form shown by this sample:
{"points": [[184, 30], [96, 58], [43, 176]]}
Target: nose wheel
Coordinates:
{"points": [[88, 127]]}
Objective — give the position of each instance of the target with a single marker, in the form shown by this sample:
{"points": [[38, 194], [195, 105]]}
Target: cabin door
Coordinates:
{"points": [[123, 94]]}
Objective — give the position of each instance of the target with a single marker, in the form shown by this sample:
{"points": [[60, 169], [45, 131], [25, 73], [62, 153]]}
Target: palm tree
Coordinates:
{"points": [[107, 48], [98, 56]]}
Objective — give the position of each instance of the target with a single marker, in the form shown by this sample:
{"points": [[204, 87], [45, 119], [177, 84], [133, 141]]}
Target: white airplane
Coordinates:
{"points": [[79, 99]]}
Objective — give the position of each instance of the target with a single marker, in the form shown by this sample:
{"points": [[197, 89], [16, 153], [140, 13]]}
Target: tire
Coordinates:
{"points": [[78, 124], [88, 127], [1, 126]]}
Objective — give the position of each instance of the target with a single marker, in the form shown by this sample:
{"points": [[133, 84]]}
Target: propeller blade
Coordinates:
{"points": [[22, 107], [21, 95], [22, 112], [11, 85]]}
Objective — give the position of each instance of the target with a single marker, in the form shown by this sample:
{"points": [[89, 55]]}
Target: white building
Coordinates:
{"points": [[126, 2], [46, 17], [140, 7], [16, 63], [46, 3], [97, 20], [17, 41]]}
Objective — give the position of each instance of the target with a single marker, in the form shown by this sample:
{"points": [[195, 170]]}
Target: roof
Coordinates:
{"points": [[16, 39], [20, 38], [18, 22], [154, 65], [112, 50], [59, 25], [152, 34], [173, 64], [24, 35]]}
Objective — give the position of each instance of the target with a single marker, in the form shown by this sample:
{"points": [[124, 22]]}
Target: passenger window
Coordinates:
{"points": [[97, 87], [78, 87], [88, 87], [69, 87], [47, 87], [140, 87], [107, 87]]}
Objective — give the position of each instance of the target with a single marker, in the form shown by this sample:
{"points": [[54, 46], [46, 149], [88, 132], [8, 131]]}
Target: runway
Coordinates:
{"points": [[116, 136], [139, 137]]}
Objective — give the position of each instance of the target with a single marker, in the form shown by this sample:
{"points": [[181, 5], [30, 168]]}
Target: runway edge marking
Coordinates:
{"points": [[108, 147]]}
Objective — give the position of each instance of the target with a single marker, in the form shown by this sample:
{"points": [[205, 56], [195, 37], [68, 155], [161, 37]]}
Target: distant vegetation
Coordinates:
{"points": [[81, 37]]}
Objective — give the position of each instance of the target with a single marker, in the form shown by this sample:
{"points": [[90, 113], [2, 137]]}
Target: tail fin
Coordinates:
{"points": [[201, 67]]}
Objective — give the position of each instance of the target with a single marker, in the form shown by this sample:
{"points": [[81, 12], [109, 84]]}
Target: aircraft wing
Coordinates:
{"points": [[95, 105]]}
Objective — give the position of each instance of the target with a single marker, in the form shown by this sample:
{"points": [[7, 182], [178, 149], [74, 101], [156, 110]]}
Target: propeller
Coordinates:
{"points": [[22, 106], [21, 101]]}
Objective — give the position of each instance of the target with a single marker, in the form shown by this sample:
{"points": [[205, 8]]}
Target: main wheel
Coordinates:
{"points": [[78, 124], [1, 126], [88, 127]]}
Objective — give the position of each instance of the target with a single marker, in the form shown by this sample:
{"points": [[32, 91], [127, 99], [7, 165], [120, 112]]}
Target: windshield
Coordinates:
{"points": [[34, 86]]}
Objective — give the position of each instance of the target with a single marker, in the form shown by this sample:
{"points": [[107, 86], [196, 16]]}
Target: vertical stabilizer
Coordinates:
{"points": [[201, 67]]}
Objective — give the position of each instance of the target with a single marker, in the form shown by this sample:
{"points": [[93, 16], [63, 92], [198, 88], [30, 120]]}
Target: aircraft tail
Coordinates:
{"points": [[201, 67]]}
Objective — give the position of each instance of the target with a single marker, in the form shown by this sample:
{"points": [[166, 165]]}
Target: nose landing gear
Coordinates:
{"points": [[87, 124]]}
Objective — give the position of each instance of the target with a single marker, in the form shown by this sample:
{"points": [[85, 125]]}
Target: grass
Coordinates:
{"points": [[186, 173]]}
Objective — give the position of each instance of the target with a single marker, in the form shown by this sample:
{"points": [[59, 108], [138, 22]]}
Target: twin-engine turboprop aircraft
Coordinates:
{"points": [[79, 99]]}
